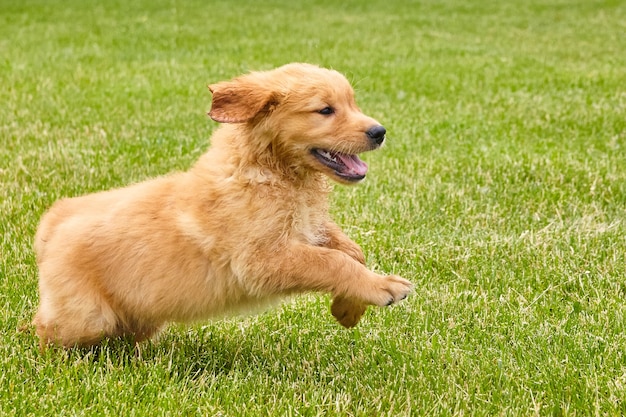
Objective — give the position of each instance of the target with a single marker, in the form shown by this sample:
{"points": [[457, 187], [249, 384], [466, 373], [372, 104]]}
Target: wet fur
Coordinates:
{"points": [[247, 225]]}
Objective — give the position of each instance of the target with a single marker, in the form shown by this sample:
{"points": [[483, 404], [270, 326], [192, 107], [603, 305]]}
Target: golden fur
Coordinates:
{"points": [[246, 225]]}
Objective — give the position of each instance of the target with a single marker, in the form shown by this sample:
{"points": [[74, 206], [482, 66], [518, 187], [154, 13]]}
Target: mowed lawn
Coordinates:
{"points": [[501, 193]]}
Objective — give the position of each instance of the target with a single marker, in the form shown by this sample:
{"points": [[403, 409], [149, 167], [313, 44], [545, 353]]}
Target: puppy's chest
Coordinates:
{"points": [[308, 226], [300, 213]]}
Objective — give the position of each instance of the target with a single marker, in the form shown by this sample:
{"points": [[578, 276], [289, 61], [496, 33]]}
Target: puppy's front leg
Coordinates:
{"points": [[347, 311], [303, 267], [337, 239]]}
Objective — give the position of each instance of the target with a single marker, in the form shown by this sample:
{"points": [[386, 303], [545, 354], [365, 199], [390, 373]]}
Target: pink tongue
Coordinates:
{"points": [[353, 163]]}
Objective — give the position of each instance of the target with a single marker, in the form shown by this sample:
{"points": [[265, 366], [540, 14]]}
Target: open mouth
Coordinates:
{"points": [[346, 166]]}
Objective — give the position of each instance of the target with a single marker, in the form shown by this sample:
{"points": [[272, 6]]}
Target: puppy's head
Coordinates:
{"points": [[306, 114]]}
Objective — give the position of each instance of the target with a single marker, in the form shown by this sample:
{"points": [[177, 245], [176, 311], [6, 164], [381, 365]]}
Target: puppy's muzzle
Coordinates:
{"points": [[376, 134]]}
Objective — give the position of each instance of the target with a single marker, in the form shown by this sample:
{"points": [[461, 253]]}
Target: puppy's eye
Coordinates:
{"points": [[326, 111]]}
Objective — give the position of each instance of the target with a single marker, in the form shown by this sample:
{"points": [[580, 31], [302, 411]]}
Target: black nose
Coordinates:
{"points": [[377, 134]]}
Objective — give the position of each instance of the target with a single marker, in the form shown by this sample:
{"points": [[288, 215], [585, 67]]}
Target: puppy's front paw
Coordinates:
{"points": [[388, 290], [347, 311]]}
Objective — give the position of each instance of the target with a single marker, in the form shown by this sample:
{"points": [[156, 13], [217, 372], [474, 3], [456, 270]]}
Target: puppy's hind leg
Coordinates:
{"points": [[71, 317]]}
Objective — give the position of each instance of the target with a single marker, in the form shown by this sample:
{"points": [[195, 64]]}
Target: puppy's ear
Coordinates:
{"points": [[239, 100]]}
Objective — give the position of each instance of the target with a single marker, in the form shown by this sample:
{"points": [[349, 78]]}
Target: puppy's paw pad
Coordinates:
{"points": [[347, 311]]}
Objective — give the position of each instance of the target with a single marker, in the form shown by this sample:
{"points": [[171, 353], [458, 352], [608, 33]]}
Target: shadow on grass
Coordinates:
{"points": [[201, 351], [181, 354]]}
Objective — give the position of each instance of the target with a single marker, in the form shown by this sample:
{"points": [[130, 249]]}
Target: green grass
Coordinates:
{"points": [[501, 194]]}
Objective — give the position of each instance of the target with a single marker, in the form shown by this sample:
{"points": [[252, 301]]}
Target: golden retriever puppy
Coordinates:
{"points": [[246, 225]]}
